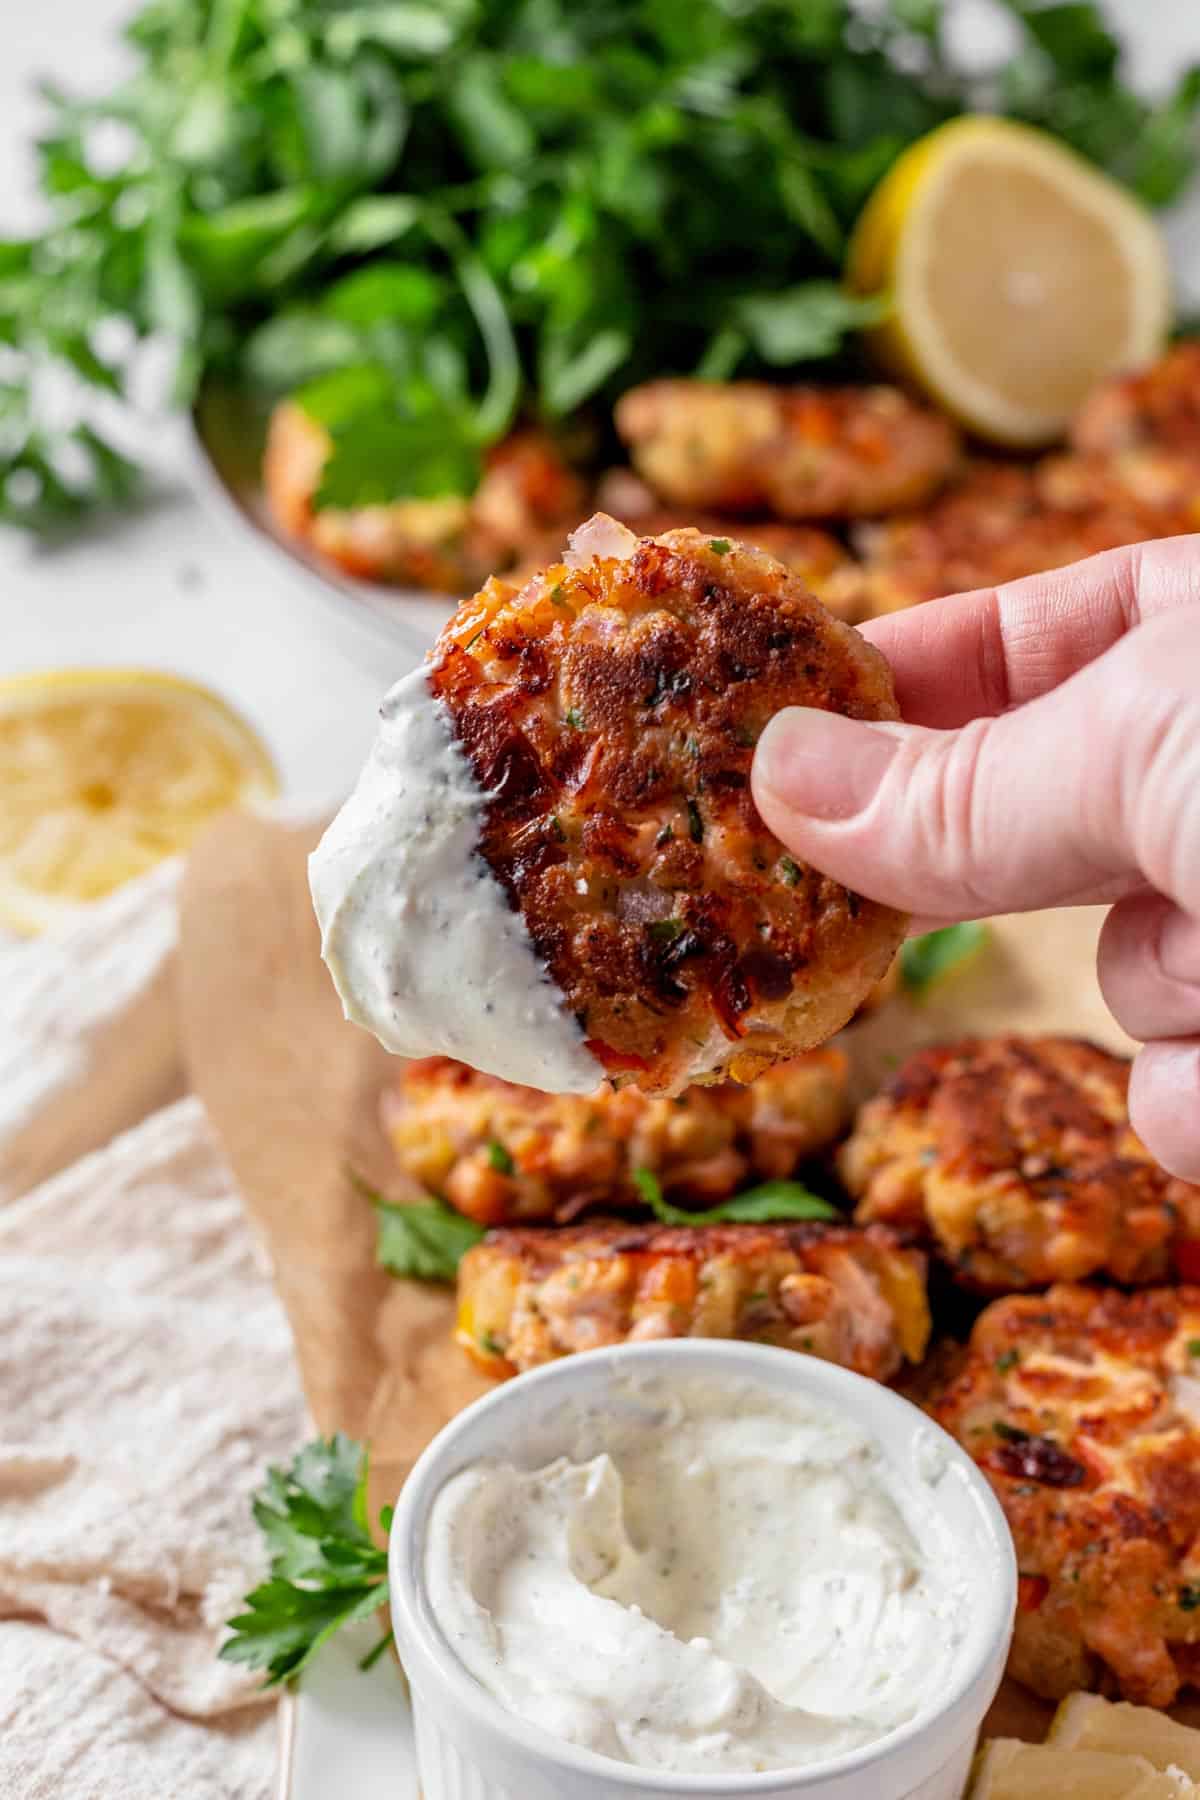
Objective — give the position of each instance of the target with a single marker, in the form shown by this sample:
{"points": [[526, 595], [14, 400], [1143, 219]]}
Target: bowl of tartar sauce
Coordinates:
{"points": [[698, 1568]]}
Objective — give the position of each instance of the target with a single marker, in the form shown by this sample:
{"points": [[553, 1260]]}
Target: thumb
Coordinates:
{"points": [[1082, 795]]}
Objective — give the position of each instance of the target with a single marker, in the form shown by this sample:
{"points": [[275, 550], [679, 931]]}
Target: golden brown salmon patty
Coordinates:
{"points": [[1136, 450], [609, 711], [814, 555], [1158, 494], [508, 1155], [853, 1297], [1148, 414], [1082, 1409], [1001, 522], [1015, 1158], [797, 452], [450, 544]]}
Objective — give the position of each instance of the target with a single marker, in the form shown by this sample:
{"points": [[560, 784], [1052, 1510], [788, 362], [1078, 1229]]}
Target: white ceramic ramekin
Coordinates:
{"points": [[470, 1748]]}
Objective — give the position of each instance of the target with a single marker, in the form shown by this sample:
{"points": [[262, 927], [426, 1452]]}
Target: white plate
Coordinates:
{"points": [[346, 1733]]}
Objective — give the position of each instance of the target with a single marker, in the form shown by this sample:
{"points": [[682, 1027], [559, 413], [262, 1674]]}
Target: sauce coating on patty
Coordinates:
{"points": [[609, 710]]}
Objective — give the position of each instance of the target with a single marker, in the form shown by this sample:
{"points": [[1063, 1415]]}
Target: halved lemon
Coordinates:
{"points": [[1019, 275], [1008, 1770], [103, 773], [1088, 1722]]}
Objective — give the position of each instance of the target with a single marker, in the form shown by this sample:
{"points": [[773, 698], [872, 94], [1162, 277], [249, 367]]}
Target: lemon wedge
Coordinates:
{"points": [[1019, 275], [1088, 1722], [1008, 1770], [103, 773]]}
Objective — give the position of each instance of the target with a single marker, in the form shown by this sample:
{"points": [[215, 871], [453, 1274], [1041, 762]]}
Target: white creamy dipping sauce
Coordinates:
{"points": [[723, 1578], [422, 944]]}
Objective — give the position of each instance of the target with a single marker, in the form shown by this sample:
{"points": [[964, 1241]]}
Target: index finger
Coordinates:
{"points": [[978, 654]]}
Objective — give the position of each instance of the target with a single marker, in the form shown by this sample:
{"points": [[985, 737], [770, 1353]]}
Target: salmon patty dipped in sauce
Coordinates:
{"points": [[552, 867]]}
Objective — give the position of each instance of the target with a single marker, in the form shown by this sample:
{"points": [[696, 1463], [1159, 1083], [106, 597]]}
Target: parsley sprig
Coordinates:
{"points": [[422, 1241], [771, 1200], [925, 960], [326, 1569]]}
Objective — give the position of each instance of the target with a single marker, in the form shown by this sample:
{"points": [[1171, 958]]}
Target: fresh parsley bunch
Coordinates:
{"points": [[427, 215]]}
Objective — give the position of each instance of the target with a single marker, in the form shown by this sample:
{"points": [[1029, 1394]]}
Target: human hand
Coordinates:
{"points": [[1050, 757]]}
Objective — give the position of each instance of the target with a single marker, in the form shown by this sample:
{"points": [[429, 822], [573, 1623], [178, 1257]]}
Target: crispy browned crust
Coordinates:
{"points": [[504, 1154], [854, 1297], [1001, 522], [528, 495], [1148, 491], [1137, 438], [816, 556], [1158, 406], [796, 452], [611, 711], [952, 545], [813, 555], [1015, 1158], [1081, 1409]]}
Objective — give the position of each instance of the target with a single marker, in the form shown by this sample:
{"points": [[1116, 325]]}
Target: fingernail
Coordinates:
{"points": [[1179, 948], [822, 764]]}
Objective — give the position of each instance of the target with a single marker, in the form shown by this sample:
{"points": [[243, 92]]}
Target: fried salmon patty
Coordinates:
{"points": [[609, 710], [1158, 405], [798, 452], [853, 1297], [450, 544], [1014, 1157], [505, 1155], [1001, 522], [1159, 492], [814, 555], [1136, 443], [1082, 1408]]}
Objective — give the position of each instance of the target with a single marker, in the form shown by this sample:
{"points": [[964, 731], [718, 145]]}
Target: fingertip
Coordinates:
{"points": [[1127, 936], [1164, 1104], [817, 781], [820, 766], [1148, 963]]}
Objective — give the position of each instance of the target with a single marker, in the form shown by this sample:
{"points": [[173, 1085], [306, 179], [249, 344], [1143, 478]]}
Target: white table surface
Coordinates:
{"points": [[179, 587]]}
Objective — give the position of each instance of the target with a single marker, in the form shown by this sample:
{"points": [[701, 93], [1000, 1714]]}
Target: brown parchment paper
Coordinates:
{"points": [[293, 1091]]}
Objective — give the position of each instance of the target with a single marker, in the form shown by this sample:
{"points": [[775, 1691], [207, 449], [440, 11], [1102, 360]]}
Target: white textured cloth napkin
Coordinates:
{"points": [[88, 1043], [146, 1380]]}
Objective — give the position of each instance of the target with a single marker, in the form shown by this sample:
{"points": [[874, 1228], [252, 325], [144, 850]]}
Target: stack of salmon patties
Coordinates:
{"points": [[557, 1272], [920, 514], [1006, 1164], [1078, 1393], [872, 498]]}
